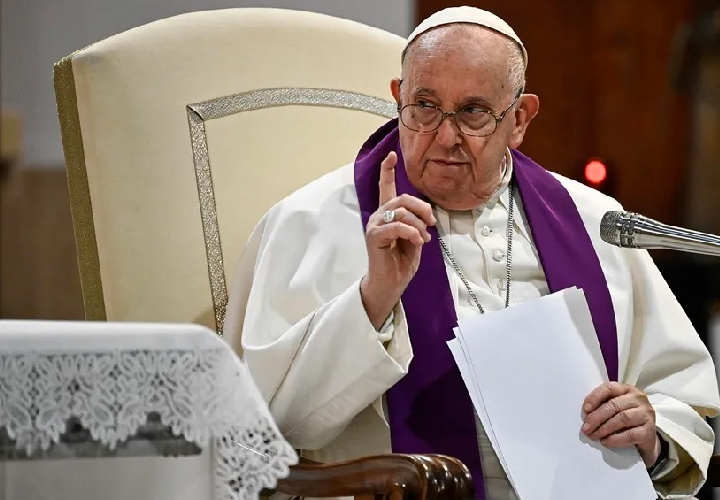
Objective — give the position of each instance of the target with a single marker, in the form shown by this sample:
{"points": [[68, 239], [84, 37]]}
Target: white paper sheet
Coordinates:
{"points": [[467, 374], [528, 369]]}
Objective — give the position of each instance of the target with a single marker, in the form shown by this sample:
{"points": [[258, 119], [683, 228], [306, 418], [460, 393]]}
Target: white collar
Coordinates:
{"points": [[501, 193]]}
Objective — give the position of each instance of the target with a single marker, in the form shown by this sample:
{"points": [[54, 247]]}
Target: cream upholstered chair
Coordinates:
{"points": [[178, 136]]}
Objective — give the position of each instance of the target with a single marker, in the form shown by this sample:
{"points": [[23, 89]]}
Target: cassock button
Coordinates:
{"points": [[498, 255], [485, 231], [502, 285]]}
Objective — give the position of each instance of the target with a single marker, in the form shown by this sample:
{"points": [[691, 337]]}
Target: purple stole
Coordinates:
{"points": [[430, 411]]}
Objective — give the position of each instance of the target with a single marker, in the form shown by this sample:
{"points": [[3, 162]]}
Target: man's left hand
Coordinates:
{"points": [[620, 415]]}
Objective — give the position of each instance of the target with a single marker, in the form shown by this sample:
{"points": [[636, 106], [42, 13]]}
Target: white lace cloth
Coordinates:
{"points": [[110, 375]]}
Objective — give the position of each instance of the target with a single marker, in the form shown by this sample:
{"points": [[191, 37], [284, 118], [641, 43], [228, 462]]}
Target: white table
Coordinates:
{"points": [[107, 378]]}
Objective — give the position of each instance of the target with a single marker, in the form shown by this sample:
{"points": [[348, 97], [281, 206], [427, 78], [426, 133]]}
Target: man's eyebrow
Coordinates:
{"points": [[480, 101], [422, 91]]}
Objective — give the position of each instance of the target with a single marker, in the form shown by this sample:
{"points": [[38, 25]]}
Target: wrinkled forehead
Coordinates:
{"points": [[457, 61]]}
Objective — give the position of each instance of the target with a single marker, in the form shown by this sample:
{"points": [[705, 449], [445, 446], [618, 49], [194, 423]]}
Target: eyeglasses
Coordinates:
{"points": [[477, 122]]}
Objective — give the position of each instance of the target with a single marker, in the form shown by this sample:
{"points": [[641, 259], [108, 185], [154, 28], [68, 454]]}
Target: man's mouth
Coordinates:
{"points": [[448, 163]]}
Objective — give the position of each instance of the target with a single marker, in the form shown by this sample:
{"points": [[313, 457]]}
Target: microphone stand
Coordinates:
{"points": [[662, 236]]}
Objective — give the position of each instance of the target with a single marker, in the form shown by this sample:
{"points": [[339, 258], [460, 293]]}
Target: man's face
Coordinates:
{"points": [[458, 68]]}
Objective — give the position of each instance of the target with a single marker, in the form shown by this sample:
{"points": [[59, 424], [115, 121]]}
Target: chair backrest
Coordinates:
{"points": [[178, 135]]}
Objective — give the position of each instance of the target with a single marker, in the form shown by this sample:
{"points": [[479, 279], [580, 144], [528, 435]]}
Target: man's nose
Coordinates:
{"points": [[448, 133]]}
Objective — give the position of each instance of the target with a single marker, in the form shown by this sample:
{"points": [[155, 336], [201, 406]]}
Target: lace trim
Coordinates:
{"points": [[206, 396]]}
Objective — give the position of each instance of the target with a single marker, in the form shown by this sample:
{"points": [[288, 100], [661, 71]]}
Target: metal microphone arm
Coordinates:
{"points": [[631, 230]]}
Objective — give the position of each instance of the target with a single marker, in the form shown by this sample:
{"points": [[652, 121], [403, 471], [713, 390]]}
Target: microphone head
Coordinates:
{"points": [[610, 227], [618, 228]]}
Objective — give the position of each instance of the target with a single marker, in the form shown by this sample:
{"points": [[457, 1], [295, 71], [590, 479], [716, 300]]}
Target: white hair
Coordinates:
{"points": [[516, 68]]}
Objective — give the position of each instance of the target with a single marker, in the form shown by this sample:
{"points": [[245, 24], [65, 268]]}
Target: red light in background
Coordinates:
{"points": [[595, 172]]}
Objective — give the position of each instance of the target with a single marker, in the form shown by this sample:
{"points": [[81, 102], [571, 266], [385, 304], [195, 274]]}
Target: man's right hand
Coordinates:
{"points": [[394, 248]]}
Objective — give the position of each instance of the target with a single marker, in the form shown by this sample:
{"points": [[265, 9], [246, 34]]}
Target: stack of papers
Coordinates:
{"points": [[528, 369]]}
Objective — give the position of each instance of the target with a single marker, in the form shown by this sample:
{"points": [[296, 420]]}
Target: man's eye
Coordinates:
{"points": [[425, 104]]}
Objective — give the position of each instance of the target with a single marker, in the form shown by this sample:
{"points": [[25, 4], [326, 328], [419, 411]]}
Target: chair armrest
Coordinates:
{"points": [[713, 474], [399, 476]]}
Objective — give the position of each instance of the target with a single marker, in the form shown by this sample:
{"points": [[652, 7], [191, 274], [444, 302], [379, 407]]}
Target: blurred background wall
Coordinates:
{"points": [[630, 88]]}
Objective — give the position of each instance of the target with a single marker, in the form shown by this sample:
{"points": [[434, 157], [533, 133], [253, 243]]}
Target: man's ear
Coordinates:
{"points": [[527, 108], [395, 89]]}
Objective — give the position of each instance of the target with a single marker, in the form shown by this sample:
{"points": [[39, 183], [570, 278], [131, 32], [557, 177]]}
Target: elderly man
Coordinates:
{"points": [[350, 287]]}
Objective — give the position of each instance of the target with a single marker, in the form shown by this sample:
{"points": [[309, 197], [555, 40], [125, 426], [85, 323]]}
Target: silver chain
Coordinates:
{"points": [[508, 267]]}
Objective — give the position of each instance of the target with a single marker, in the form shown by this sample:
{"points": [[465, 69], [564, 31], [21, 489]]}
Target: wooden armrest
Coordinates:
{"points": [[399, 476], [713, 475]]}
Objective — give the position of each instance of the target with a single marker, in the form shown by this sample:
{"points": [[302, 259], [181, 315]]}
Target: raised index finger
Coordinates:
{"points": [[387, 178]]}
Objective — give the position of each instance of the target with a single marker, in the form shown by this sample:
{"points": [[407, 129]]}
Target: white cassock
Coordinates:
{"points": [[324, 369]]}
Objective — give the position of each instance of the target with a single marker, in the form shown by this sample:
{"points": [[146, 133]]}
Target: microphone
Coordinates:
{"points": [[631, 230]]}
